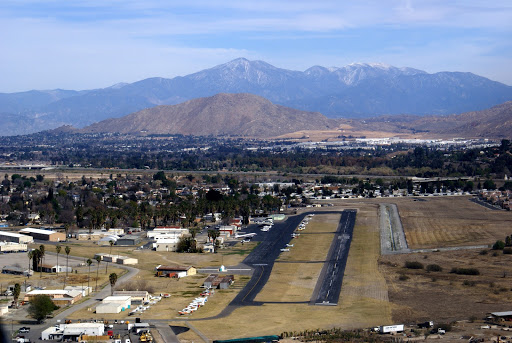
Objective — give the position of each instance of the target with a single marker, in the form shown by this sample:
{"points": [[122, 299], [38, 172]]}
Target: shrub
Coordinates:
{"points": [[465, 271], [507, 251], [499, 245], [483, 252], [434, 268], [403, 277], [469, 283], [413, 265]]}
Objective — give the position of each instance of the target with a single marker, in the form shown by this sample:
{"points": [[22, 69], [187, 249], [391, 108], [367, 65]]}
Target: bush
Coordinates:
{"points": [[413, 265], [483, 252], [469, 283], [507, 251], [465, 271], [434, 268], [403, 277], [499, 245]]}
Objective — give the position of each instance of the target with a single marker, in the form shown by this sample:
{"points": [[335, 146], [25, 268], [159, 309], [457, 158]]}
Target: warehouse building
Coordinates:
{"points": [[124, 300], [175, 271], [60, 297], [219, 281], [14, 237], [44, 235], [128, 241], [73, 332], [116, 258], [6, 247], [166, 244], [137, 297], [15, 270]]}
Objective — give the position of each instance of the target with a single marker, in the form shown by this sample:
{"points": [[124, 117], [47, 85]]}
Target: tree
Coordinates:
{"points": [[98, 259], [113, 279], [58, 248], [89, 262], [67, 250], [106, 266], [16, 292], [40, 307], [30, 255], [41, 258]]}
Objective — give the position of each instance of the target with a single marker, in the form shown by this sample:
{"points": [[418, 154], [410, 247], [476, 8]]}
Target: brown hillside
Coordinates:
{"points": [[222, 114]]}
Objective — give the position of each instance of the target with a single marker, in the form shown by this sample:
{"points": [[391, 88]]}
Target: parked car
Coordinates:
{"points": [[24, 329]]}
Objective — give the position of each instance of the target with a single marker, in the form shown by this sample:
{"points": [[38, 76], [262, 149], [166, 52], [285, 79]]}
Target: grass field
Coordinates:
{"points": [[358, 307]]}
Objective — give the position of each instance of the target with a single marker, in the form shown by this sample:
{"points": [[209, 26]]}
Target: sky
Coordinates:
{"points": [[86, 44]]}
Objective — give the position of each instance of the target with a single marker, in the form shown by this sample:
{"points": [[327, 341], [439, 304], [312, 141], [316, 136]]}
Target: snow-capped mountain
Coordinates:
{"points": [[355, 90]]}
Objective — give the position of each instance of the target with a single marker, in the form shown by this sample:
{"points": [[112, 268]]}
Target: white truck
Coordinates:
{"points": [[389, 328]]}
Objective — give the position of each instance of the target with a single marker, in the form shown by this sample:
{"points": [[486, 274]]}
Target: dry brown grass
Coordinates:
{"points": [[451, 221], [442, 296]]}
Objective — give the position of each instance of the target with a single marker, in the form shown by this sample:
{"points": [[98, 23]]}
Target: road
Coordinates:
{"points": [[36, 329], [329, 283]]}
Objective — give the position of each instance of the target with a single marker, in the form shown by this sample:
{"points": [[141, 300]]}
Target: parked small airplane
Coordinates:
{"points": [[289, 245], [284, 249], [245, 235]]}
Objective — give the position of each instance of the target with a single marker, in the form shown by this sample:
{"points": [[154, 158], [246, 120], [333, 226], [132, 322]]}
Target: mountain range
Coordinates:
{"points": [[354, 91]]}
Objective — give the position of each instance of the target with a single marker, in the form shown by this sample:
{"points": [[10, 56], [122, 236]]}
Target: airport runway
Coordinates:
{"points": [[262, 258], [329, 283]]}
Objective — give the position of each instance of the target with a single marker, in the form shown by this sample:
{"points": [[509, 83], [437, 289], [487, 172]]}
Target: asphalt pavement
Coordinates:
{"points": [[329, 283]]}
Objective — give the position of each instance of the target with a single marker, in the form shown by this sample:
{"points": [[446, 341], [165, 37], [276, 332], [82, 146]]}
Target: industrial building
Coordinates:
{"points": [[218, 281], [166, 244], [15, 270], [14, 237], [117, 258], [175, 271], [6, 247], [73, 332], [114, 304], [44, 235], [130, 241], [49, 268], [60, 297], [137, 297]]}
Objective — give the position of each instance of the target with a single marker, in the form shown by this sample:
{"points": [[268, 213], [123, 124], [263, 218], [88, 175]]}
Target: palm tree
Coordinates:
{"points": [[98, 259], [30, 255], [106, 266], [89, 262], [41, 257], [67, 250], [58, 248], [113, 279]]}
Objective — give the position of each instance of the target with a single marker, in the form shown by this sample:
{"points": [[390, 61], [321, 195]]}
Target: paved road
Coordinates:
{"points": [[36, 330], [329, 283]]}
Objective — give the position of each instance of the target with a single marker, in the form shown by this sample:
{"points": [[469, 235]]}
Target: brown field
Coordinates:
{"points": [[443, 296], [451, 221]]}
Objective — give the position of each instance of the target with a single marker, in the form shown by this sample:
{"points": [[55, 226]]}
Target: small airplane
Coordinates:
{"points": [[284, 249], [289, 245], [245, 235]]}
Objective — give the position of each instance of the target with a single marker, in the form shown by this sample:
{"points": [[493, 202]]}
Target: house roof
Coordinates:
{"points": [[131, 293], [174, 267], [37, 231], [502, 314], [12, 234]]}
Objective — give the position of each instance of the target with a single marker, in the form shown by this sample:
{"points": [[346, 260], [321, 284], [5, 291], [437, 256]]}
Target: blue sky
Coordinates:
{"points": [[85, 44]]}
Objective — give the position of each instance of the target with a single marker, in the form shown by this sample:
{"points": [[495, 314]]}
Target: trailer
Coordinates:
{"points": [[390, 329]]}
